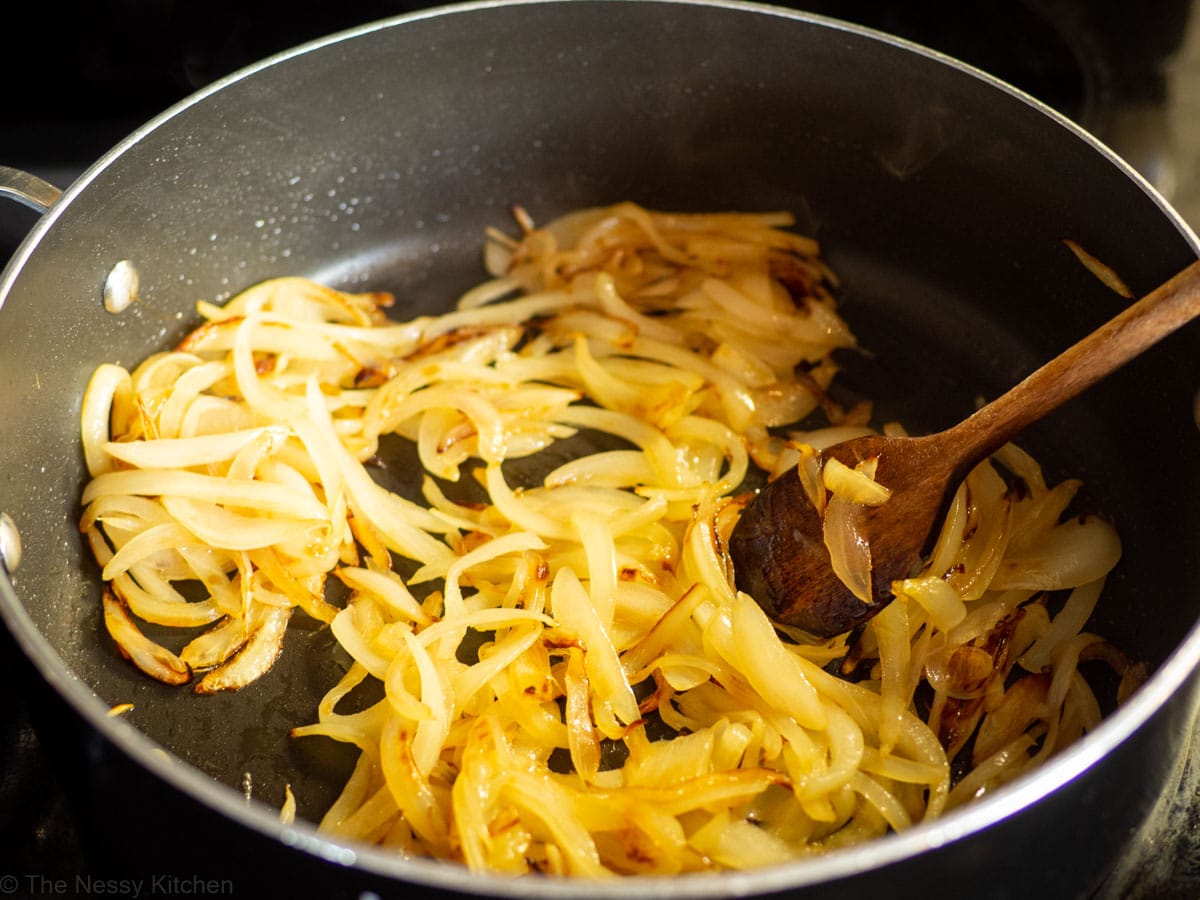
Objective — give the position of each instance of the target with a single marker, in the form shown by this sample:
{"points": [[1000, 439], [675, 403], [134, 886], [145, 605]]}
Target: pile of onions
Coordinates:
{"points": [[572, 684]]}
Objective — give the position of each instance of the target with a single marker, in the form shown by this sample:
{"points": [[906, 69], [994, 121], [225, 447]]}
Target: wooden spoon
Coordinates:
{"points": [[777, 546]]}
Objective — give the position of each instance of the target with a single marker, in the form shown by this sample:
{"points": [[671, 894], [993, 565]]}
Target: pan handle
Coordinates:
{"points": [[28, 189]]}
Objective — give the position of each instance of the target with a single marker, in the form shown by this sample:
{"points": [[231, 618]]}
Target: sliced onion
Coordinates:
{"points": [[517, 542], [849, 551], [941, 602], [239, 493], [218, 527], [156, 661], [388, 587], [156, 545], [1064, 626], [109, 393], [856, 485], [431, 732], [774, 672], [1024, 704], [1074, 553], [574, 614], [582, 739], [1105, 273], [254, 659], [243, 463]]}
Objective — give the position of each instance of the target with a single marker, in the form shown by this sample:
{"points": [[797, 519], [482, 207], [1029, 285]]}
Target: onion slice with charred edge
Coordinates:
{"points": [[156, 661]]}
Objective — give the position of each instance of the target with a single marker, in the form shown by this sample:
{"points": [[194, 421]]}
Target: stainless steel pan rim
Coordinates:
{"points": [[1172, 676]]}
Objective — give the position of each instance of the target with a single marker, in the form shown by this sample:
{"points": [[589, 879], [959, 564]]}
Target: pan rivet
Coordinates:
{"points": [[10, 544], [120, 287]]}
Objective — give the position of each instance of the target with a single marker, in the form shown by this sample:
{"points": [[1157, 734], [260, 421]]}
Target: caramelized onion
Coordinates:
{"points": [[156, 661], [849, 551], [571, 683]]}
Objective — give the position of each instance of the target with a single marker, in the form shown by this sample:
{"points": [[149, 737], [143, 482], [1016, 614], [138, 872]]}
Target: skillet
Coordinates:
{"points": [[375, 159]]}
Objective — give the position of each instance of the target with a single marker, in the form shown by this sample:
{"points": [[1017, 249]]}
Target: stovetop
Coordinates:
{"points": [[1130, 73]]}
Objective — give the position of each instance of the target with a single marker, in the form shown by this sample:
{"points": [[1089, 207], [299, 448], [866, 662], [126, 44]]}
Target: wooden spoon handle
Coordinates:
{"points": [[1165, 309]]}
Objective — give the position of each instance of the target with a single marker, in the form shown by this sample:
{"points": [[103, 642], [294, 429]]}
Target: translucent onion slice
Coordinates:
{"points": [[613, 304], [1023, 704], [185, 392], [782, 403], [655, 763], [109, 394], [287, 812], [661, 404], [745, 366], [218, 527], [356, 627], [774, 672], [300, 579], [813, 329], [244, 493], [1065, 626], [885, 802], [387, 587], [515, 543], [435, 695], [156, 661], [611, 468], [736, 400], [941, 602], [574, 614], [891, 628], [217, 644], [183, 453], [1000, 767], [1073, 553], [856, 485], [683, 671], [583, 741], [1102, 271], [501, 654], [400, 523], [849, 551], [254, 659], [155, 545]]}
